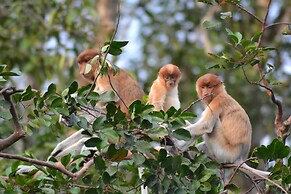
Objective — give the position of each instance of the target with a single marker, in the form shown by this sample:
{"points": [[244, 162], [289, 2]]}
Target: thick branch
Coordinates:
{"points": [[38, 162], [58, 167], [83, 170], [18, 131]]}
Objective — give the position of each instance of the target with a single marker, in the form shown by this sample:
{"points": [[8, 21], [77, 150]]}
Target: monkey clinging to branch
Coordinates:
{"points": [[224, 125], [164, 91], [126, 87]]}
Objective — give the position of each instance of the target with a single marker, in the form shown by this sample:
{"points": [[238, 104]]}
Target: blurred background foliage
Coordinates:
{"points": [[42, 39]]}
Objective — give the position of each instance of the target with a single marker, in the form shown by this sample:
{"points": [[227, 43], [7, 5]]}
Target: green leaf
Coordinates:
{"points": [[111, 109], [58, 102], [62, 111], [276, 150], [106, 178], [108, 96], [65, 92], [2, 67], [73, 87], [238, 35], [93, 142], [229, 32], [94, 96], [138, 158], [157, 133], [188, 116], [209, 24], [51, 89], [9, 73], [87, 179], [75, 190], [2, 79], [116, 154], [4, 104], [182, 134], [88, 68], [99, 164], [151, 180], [114, 48], [66, 159], [225, 15], [195, 184], [83, 90], [232, 187], [205, 186], [206, 175], [256, 36], [97, 124], [5, 115]]}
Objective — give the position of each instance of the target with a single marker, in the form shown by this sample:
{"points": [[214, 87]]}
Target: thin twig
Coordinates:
{"points": [[251, 14], [135, 187], [196, 101], [277, 23], [237, 168], [116, 92], [106, 53]]}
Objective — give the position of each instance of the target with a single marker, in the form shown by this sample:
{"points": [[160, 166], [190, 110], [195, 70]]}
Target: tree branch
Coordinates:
{"points": [[277, 23], [18, 131], [249, 13], [58, 167]]}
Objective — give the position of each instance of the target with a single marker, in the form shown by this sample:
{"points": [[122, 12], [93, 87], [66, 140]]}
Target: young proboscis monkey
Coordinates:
{"points": [[224, 125], [164, 91], [123, 83]]}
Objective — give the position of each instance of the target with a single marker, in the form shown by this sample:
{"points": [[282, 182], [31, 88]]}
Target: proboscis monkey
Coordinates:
{"points": [[224, 125], [125, 85], [164, 91]]}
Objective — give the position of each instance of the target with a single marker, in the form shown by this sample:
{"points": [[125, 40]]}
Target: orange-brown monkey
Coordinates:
{"points": [[164, 91], [124, 84], [224, 124]]}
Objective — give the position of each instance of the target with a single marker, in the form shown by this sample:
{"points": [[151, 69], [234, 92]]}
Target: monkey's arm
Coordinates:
{"points": [[205, 124], [157, 97]]}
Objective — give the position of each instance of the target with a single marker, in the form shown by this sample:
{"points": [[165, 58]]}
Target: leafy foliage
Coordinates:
{"points": [[112, 134]]}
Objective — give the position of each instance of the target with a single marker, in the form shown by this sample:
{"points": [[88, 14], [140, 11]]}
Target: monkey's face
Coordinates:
{"points": [[88, 65], [170, 81], [208, 86], [170, 75]]}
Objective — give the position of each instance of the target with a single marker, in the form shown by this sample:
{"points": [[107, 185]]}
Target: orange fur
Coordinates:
{"points": [[124, 84], [164, 91]]}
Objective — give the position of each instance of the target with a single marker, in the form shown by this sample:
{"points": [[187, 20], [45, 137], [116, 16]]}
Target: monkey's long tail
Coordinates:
{"points": [[251, 171]]}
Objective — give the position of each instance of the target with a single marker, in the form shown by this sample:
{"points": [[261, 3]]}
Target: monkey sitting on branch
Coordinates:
{"points": [[224, 126]]}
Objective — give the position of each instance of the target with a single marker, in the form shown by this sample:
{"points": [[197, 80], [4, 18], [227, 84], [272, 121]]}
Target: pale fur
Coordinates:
{"points": [[162, 96], [224, 125]]}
